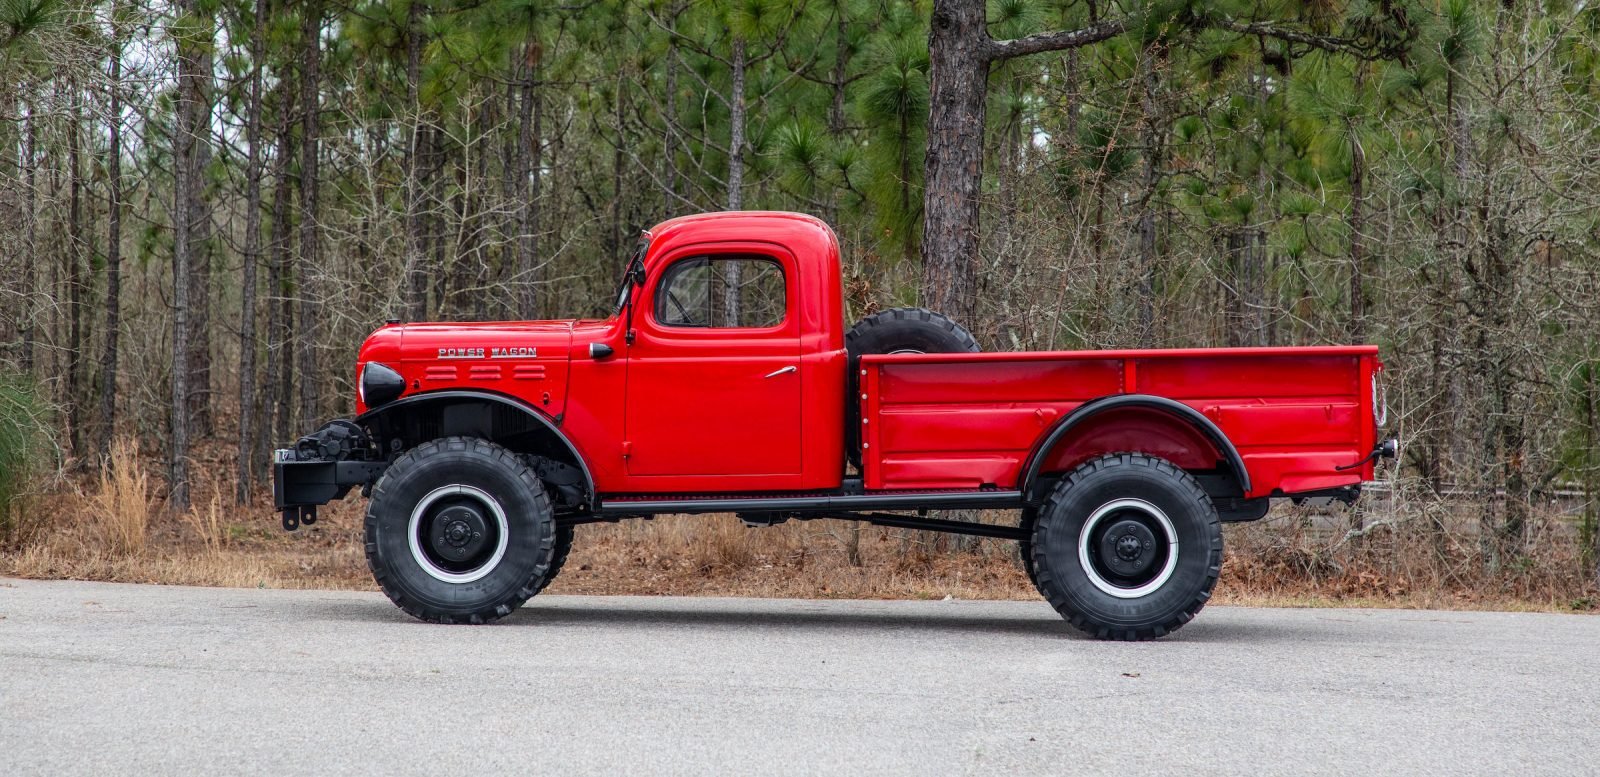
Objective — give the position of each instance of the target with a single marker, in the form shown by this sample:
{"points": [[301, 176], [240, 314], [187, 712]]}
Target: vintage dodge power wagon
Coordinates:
{"points": [[725, 382]]}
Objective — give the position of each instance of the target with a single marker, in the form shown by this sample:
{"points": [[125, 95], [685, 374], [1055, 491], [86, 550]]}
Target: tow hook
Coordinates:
{"points": [[1386, 449], [293, 517]]}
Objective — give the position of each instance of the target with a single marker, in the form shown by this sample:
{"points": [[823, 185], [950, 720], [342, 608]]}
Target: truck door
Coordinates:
{"points": [[714, 370]]}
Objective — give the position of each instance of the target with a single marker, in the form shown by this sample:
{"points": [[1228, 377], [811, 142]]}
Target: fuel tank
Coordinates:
{"points": [[522, 359]]}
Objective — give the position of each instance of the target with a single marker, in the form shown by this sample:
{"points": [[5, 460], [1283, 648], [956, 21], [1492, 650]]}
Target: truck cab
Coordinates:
{"points": [[686, 387], [725, 381]]}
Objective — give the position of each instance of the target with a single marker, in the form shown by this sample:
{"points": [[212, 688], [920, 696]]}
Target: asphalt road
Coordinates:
{"points": [[122, 679]]}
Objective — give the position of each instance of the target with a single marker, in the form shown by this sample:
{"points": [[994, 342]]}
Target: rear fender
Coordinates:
{"points": [[1137, 422]]}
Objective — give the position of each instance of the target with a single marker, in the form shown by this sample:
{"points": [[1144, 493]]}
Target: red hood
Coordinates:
{"points": [[496, 340], [442, 356]]}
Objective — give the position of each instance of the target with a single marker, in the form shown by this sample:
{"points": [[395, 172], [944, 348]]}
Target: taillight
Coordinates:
{"points": [[1380, 400]]}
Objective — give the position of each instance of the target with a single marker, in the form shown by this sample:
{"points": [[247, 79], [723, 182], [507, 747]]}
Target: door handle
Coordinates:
{"points": [[777, 372]]}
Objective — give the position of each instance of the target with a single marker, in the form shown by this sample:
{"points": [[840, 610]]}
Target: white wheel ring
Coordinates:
{"points": [[1106, 586], [445, 575]]}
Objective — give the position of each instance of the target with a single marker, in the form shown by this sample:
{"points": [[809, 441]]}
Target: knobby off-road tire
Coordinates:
{"points": [[897, 330], [1030, 517], [1127, 547], [459, 530], [559, 558]]}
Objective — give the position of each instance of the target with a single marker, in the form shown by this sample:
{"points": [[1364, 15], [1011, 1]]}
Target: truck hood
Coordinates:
{"points": [[515, 340], [523, 359]]}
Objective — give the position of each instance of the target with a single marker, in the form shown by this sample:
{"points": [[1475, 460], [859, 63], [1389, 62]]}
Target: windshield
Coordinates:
{"points": [[636, 261]]}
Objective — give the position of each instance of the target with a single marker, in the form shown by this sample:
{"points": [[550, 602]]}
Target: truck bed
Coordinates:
{"points": [[974, 420]]}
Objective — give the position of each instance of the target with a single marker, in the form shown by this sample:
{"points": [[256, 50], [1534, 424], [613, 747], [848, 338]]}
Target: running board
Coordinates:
{"points": [[966, 500]]}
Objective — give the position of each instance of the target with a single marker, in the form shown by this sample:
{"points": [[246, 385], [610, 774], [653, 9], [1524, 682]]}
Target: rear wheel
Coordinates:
{"points": [[1127, 547], [459, 530], [1030, 517]]}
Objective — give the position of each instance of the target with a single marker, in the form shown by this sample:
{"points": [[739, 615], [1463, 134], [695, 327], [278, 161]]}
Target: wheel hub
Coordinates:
{"points": [[1128, 548], [459, 533]]}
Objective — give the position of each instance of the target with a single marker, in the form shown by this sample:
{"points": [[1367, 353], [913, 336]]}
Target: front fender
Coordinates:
{"points": [[505, 420]]}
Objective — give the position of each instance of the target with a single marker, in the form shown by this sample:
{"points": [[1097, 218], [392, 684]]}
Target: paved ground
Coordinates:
{"points": [[119, 679]]}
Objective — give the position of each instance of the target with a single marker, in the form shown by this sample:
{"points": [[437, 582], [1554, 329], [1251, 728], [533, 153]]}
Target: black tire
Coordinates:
{"points": [[485, 532], [897, 330], [559, 558], [1030, 517], [1132, 587]]}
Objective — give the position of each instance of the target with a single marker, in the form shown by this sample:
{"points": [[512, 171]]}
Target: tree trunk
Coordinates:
{"points": [[1590, 527], [529, 159], [736, 127], [669, 148], [736, 122], [30, 174], [953, 173], [841, 64], [309, 265], [200, 243], [614, 209], [1071, 90], [959, 53], [108, 357], [1245, 249], [1357, 220], [184, 142], [1150, 140], [252, 252], [75, 274], [416, 258], [836, 116], [437, 225], [276, 410]]}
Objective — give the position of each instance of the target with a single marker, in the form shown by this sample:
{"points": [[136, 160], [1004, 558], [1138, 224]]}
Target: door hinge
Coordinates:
{"points": [[627, 449]]}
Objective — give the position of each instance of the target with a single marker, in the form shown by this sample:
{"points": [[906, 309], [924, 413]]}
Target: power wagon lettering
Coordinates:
{"points": [[726, 382], [513, 352]]}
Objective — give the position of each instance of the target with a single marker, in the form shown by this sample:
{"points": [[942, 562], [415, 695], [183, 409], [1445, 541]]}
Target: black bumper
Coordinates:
{"points": [[299, 487]]}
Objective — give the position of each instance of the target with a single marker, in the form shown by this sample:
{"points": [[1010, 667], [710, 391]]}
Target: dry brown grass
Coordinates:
{"points": [[715, 555], [111, 528], [1416, 555], [122, 503]]}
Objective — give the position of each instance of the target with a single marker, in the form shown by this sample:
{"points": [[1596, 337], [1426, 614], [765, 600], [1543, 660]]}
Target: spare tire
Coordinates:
{"points": [[897, 330]]}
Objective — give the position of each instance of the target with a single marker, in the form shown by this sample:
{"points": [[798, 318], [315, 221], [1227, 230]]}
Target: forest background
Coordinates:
{"points": [[205, 205]]}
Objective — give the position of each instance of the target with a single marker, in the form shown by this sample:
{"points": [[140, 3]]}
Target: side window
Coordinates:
{"points": [[722, 291]]}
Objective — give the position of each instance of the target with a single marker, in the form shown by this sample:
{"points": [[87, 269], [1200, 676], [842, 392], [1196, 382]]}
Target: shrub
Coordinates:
{"points": [[25, 446]]}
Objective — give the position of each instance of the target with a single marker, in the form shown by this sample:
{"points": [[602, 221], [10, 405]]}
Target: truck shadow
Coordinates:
{"points": [[1219, 628], [802, 619], [1216, 625]]}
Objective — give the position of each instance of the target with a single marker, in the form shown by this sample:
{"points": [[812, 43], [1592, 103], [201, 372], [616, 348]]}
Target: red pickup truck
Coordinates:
{"points": [[725, 382]]}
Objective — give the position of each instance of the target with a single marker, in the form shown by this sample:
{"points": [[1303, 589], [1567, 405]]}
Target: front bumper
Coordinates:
{"points": [[322, 467]]}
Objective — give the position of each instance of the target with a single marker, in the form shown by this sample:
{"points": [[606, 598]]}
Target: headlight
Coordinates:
{"points": [[380, 384]]}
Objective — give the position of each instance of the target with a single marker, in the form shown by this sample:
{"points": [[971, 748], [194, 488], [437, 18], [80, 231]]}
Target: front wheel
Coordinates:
{"points": [[460, 530], [1127, 547]]}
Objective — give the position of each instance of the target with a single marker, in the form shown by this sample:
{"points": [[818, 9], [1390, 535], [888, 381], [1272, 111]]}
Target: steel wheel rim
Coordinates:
{"points": [[424, 559], [1147, 514]]}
